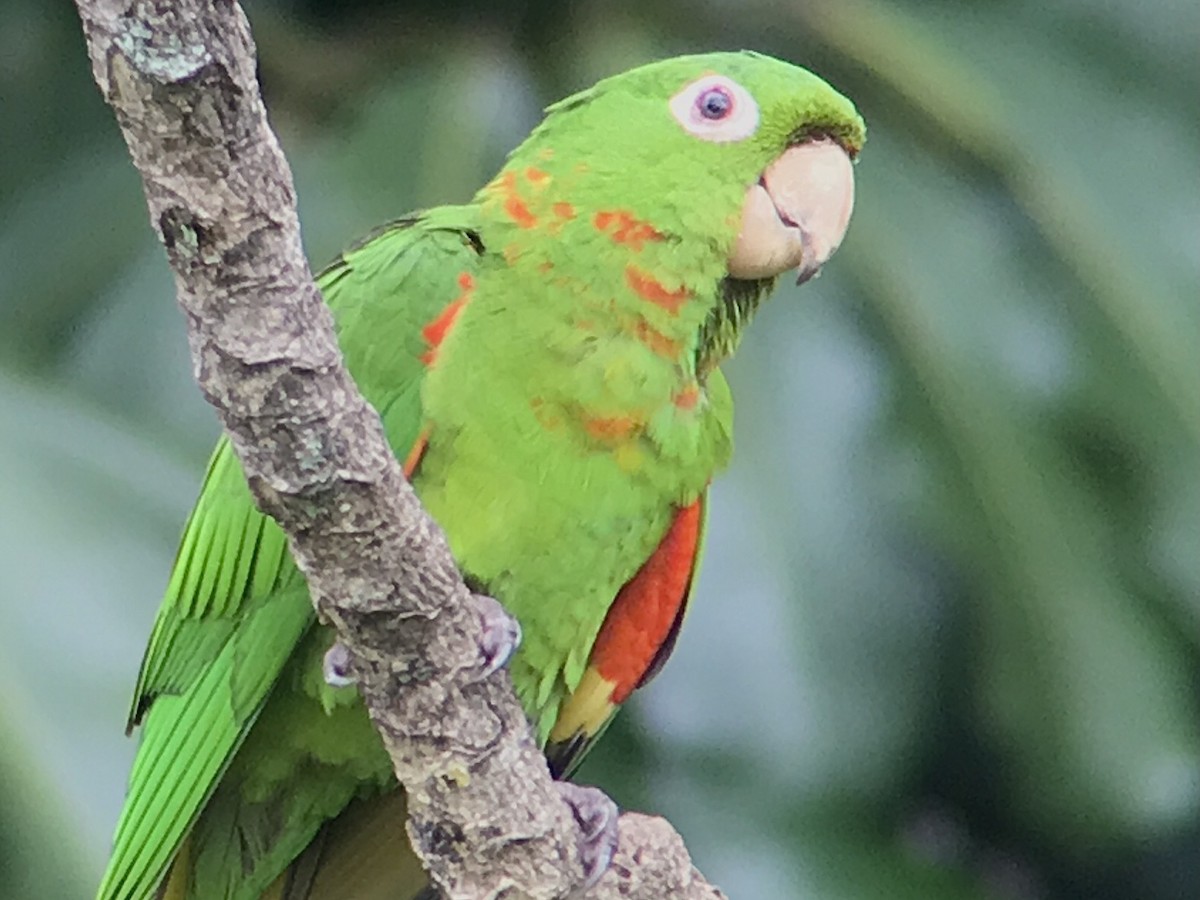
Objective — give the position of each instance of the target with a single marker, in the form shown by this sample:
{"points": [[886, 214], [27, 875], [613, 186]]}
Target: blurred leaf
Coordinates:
{"points": [[89, 519], [36, 823], [59, 243], [1089, 698], [51, 106], [1152, 316]]}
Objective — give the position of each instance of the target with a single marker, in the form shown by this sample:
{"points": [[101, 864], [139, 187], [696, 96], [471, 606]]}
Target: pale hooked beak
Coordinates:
{"points": [[797, 213]]}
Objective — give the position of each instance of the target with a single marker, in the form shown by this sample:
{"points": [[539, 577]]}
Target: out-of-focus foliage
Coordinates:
{"points": [[946, 639]]}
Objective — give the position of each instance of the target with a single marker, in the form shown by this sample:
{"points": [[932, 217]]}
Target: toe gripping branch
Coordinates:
{"points": [[500, 635]]}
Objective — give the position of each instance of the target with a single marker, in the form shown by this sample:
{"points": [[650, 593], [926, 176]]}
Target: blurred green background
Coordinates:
{"points": [[947, 638]]}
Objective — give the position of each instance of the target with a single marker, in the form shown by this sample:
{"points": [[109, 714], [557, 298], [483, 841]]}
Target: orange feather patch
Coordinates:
{"points": [[611, 428], [519, 212], [515, 207], [624, 228], [686, 398], [414, 455], [435, 332], [659, 343], [650, 288]]}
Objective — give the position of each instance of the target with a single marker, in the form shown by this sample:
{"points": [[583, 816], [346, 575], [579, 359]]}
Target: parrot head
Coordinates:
{"points": [[748, 154], [667, 199]]}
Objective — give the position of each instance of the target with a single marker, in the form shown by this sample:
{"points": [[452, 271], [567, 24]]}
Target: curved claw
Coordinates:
{"points": [[500, 636], [597, 815], [336, 666]]}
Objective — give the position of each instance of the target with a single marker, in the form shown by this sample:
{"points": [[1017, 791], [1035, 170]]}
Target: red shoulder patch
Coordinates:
{"points": [[635, 640], [640, 627]]}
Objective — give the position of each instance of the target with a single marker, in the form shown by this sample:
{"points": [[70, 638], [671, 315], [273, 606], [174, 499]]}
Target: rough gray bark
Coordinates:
{"points": [[484, 814]]}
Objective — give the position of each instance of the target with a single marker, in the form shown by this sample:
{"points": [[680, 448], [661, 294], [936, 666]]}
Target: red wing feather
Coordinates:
{"points": [[634, 642]]}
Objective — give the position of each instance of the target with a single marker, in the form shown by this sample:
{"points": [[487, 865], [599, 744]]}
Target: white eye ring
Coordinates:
{"points": [[716, 108]]}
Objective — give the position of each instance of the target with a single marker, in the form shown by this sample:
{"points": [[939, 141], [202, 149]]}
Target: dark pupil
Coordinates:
{"points": [[715, 104]]}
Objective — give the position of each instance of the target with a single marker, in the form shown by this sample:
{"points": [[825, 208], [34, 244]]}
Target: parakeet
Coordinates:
{"points": [[545, 360]]}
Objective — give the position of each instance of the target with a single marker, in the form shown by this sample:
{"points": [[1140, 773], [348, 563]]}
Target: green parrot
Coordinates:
{"points": [[545, 360]]}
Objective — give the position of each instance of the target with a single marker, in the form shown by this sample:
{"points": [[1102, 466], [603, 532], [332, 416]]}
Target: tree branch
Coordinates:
{"points": [[485, 815]]}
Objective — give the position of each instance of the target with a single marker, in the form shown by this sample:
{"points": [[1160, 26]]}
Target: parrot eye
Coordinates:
{"points": [[716, 109], [714, 103]]}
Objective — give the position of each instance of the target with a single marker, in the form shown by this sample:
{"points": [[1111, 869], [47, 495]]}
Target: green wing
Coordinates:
{"points": [[236, 606]]}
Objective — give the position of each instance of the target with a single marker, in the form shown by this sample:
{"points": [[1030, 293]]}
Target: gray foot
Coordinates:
{"points": [[336, 666], [597, 817], [500, 637]]}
